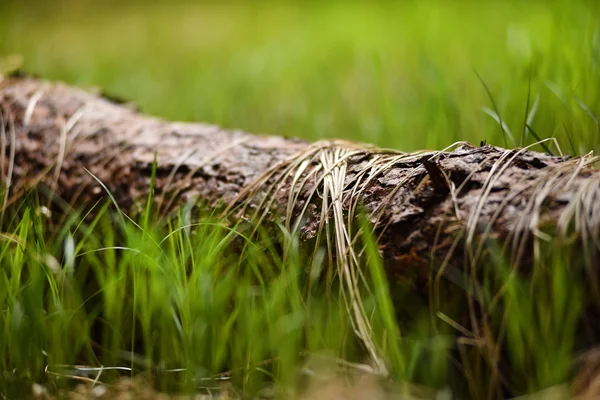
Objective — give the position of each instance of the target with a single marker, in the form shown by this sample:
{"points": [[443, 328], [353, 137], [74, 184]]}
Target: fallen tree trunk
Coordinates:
{"points": [[417, 201], [434, 211]]}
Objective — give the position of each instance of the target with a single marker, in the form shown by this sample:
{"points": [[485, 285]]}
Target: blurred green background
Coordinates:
{"points": [[401, 75]]}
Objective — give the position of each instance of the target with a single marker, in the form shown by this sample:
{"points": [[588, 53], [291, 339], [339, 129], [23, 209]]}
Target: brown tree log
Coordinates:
{"points": [[421, 203], [431, 209]]}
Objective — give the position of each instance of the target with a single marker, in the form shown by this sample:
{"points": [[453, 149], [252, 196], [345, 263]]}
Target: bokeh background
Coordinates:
{"points": [[397, 74]]}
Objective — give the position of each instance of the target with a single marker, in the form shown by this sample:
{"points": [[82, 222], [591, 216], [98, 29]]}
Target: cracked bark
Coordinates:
{"points": [[59, 130]]}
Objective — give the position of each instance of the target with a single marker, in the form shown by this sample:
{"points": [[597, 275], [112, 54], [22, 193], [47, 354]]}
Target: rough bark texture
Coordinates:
{"points": [[53, 131]]}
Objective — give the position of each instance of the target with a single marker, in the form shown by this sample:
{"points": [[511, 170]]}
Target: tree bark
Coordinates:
{"points": [[431, 205]]}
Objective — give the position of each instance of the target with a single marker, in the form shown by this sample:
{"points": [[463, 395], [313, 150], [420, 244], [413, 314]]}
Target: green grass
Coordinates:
{"points": [[178, 296], [182, 302], [168, 295]]}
